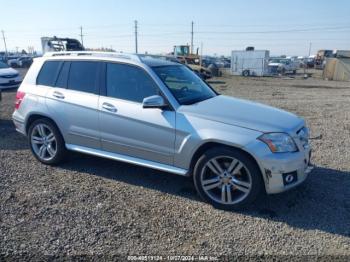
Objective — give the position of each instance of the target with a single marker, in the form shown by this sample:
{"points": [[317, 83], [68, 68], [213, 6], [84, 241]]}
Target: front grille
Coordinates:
{"points": [[303, 135], [9, 76]]}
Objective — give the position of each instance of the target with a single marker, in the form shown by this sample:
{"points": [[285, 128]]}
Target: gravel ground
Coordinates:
{"points": [[90, 206]]}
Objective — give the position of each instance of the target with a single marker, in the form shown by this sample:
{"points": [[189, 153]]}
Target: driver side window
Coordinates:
{"points": [[129, 83]]}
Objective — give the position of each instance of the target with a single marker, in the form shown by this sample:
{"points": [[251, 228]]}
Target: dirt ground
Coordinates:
{"points": [[91, 206]]}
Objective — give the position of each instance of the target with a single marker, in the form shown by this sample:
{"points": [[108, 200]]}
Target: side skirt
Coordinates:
{"points": [[128, 159]]}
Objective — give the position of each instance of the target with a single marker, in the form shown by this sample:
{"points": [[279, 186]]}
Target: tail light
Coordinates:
{"points": [[19, 98]]}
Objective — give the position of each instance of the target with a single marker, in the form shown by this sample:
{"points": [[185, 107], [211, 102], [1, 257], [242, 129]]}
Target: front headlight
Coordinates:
{"points": [[279, 142]]}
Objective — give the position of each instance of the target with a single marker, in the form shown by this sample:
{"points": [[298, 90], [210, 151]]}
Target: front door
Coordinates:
{"points": [[126, 127]]}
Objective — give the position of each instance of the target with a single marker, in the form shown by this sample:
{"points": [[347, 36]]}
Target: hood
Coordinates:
{"points": [[244, 113], [7, 71]]}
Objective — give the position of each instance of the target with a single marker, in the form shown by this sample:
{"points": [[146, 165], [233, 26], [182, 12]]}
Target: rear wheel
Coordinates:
{"points": [[227, 178], [246, 73], [46, 142]]}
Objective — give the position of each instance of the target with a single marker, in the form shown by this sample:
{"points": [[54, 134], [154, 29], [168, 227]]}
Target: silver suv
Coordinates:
{"points": [[160, 115]]}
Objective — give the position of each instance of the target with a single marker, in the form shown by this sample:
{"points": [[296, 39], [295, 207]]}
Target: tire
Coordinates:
{"points": [[46, 142], [246, 73], [245, 185], [294, 72]]}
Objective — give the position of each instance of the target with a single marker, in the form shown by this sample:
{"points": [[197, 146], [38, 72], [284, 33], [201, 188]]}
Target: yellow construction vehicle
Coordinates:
{"points": [[184, 55]]}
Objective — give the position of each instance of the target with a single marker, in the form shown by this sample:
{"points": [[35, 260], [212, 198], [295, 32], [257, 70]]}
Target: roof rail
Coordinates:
{"points": [[134, 57]]}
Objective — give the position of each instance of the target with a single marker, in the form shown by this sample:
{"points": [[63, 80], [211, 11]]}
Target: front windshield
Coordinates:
{"points": [[184, 84], [3, 65]]}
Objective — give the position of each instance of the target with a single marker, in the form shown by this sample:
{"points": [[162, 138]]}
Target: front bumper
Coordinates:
{"points": [[10, 82], [276, 182], [281, 171]]}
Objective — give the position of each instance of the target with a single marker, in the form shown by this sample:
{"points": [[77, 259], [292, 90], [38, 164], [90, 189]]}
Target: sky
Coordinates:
{"points": [[220, 26]]}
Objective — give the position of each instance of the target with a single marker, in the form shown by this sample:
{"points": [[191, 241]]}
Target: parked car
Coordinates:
{"points": [[206, 61], [227, 63], [25, 62], [22, 61], [12, 61], [9, 77], [282, 66], [310, 62], [159, 114]]}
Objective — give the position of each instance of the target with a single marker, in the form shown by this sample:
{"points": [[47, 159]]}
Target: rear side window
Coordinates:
{"points": [[83, 76], [62, 79], [129, 83], [48, 73]]}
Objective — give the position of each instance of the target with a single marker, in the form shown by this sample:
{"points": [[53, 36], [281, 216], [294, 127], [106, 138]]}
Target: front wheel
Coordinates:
{"points": [[46, 142], [227, 178]]}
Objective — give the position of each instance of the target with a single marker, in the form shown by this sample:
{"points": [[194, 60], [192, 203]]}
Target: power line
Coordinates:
{"points": [[275, 31], [328, 29], [207, 34], [164, 25], [272, 25]]}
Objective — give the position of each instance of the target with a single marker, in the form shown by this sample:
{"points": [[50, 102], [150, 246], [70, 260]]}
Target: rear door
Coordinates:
{"points": [[74, 101], [126, 127]]}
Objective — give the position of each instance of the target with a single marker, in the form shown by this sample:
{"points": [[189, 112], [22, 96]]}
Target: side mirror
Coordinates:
{"points": [[154, 102]]}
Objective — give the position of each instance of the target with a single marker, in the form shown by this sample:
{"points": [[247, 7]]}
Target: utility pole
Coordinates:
{"points": [[192, 37], [81, 36], [3, 37], [310, 48], [201, 58], [136, 43], [305, 65]]}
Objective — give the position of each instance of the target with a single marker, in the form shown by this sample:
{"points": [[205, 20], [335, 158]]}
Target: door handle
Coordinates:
{"points": [[109, 107], [58, 95]]}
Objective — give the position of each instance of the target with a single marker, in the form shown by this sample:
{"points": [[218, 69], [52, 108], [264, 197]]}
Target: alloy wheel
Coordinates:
{"points": [[43, 142], [226, 180]]}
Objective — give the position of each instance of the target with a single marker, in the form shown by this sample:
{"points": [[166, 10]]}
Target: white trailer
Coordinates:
{"points": [[250, 63]]}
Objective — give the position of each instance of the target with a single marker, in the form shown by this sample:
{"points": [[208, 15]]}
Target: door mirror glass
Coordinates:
{"points": [[154, 102]]}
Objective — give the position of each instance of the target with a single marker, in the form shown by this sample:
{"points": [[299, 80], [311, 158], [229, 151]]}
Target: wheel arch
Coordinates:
{"points": [[35, 116], [211, 144]]}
